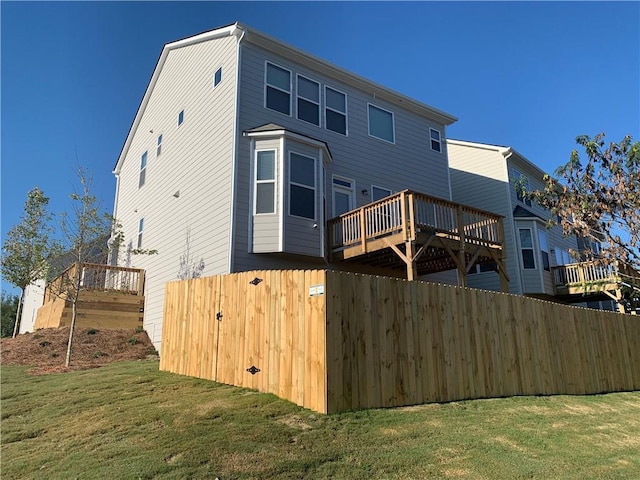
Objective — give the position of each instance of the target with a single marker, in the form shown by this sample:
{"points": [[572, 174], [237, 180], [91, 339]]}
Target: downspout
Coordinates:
{"points": [[234, 154], [516, 242]]}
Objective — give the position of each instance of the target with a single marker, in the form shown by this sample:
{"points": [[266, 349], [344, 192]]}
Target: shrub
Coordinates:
{"points": [[100, 354], [44, 343], [133, 340], [92, 331], [139, 329]]}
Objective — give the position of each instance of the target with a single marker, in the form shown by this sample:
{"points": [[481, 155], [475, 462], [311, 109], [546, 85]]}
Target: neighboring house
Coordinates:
{"points": [[244, 147], [485, 176]]}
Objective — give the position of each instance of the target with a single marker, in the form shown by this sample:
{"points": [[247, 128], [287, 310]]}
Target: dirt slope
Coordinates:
{"points": [[46, 349]]}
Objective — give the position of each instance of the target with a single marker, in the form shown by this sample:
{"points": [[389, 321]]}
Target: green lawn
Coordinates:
{"points": [[129, 421]]}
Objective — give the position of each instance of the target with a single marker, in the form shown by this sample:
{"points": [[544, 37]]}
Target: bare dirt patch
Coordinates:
{"points": [[45, 350]]}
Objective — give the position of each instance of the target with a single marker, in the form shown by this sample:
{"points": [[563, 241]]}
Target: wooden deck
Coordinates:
{"points": [[421, 233], [577, 281], [110, 297]]}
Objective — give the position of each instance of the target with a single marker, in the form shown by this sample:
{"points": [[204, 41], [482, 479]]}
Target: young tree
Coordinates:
{"points": [[81, 230], [28, 247], [189, 268], [8, 311], [598, 197]]}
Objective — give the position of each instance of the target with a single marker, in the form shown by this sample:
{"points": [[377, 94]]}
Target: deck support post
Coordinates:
{"points": [[412, 267]]}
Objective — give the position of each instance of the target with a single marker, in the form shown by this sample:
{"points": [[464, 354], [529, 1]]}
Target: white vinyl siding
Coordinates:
{"points": [[197, 161], [308, 105], [277, 93], [381, 124]]}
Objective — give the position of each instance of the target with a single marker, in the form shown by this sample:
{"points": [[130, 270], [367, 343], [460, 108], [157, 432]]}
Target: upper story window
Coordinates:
{"points": [[265, 187], [379, 192], [381, 124], [181, 118], [302, 186], [335, 110], [159, 146], [217, 77], [308, 100], [140, 230], [436, 141], [143, 170], [526, 247], [278, 89], [518, 179]]}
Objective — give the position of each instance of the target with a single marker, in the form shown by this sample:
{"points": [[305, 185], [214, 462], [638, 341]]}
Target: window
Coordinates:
{"points": [[140, 229], [308, 100], [217, 77], [544, 249], [379, 192], [335, 110], [159, 147], [520, 179], [526, 247], [563, 257], [302, 186], [488, 267], [436, 142], [278, 89], [181, 118], [143, 170], [265, 192], [381, 124]]}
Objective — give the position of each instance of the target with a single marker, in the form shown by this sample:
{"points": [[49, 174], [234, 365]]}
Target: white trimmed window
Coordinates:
{"points": [[343, 195], [381, 124], [302, 186], [277, 89], [526, 247], [335, 110], [159, 146], [143, 170], [379, 192], [217, 77], [265, 182], [181, 117], [436, 140], [140, 230], [308, 100]]}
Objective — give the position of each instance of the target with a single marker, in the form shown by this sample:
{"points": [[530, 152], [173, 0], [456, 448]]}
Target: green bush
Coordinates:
{"points": [[92, 331], [133, 340], [44, 343]]}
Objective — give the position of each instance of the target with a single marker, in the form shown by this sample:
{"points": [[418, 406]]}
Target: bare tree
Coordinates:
{"points": [[189, 268]]}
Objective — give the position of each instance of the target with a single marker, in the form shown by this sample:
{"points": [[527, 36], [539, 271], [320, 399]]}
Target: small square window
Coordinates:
{"points": [[181, 118], [436, 142], [217, 77]]}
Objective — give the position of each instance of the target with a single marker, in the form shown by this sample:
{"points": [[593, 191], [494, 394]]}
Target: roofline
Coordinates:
{"points": [[505, 151], [202, 37], [237, 29], [283, 132], [316, 63]]}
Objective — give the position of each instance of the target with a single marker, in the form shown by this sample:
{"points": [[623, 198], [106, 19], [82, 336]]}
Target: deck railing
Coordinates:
{"points": [[97, 277], [591, 272], [409, 213]]}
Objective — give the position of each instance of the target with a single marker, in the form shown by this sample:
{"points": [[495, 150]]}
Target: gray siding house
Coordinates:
{"points": [[485, 176], [244, 147]]}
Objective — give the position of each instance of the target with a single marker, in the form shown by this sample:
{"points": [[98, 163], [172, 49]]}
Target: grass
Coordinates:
{"points": [[130, 421]]}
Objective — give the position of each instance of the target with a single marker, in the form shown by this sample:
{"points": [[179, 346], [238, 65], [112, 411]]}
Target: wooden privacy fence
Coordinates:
{"points": [[333, 341]]}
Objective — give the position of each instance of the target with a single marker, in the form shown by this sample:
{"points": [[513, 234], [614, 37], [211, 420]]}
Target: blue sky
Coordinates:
{"points": [[529, 75]]}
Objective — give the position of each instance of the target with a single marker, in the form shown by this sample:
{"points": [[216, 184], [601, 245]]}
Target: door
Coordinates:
{"points": [[343, 195]]}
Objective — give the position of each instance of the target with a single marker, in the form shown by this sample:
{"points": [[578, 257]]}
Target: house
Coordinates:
{"points": [[537, 256], [247, 154]]}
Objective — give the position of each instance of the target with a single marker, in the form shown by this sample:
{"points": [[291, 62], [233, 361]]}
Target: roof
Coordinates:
{"points": [[243, 32], [272, 129], [504, 150], [521, 212]]}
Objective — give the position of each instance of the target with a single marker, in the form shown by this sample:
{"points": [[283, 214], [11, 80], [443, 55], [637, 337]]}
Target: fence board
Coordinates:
{"points": [[380, 342]]}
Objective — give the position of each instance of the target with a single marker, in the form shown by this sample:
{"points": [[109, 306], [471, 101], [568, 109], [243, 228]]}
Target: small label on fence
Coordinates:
{"points": [[315, 290]]}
